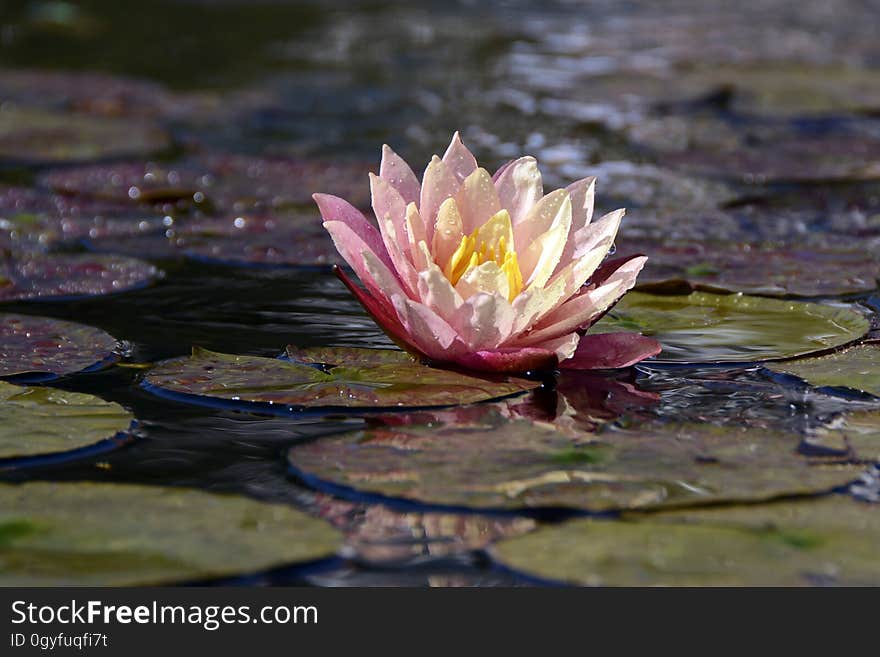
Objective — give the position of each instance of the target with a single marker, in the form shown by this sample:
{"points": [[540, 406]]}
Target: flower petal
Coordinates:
{"points": [[484, 321], [447, 232], [415, 234], [459, 159], [378, 307], [477, 200], [333, 208], [611, 351], [540, 258], [583, 193], [510, 361], [353, 249], [519, 187], [487, 277], [438, 184], [437, 292], [427, 330], [390, 210], [397, 173]]}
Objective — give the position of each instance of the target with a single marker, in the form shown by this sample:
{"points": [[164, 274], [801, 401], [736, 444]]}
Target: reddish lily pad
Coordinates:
{"points": [[226, 183], [43, 348], [285, 240], [706, 328], [32, 136], [517, 465], [829, 541], [382, 380], [756, 269], [43, 421], [34, 218], [60, 276], [856, 368]]}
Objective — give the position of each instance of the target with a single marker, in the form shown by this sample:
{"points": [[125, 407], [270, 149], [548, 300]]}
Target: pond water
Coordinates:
{"points": [[744, 142]]}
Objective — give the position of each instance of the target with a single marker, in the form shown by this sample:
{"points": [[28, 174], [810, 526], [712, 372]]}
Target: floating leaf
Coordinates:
{"points": [[855, 435], [39, 421], [35, 219], [519, 464], [49, 277], [756, 269], [705, 328], [829, 541], [32, 136], [857, 368], [385, 379], [89, 534], [45, 348], [227, 183]]}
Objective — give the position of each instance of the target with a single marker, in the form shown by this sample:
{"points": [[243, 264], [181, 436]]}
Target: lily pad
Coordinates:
{"points": [[349, 378], [36, 219], [42, 348], [40, 421], [226, 183], [85, 534], [33, 136], [756, 269], [61, 276], [854, 435], [857, 368], [829, 541], [713, 328], [520, 465]]}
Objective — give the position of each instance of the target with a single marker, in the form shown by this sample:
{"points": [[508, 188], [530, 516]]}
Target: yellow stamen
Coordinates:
{"points": [[474, 250]]}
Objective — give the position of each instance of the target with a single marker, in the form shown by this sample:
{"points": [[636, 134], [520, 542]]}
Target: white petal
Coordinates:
{"points": [[438, 184], [447, 232], [487, 277], [477, 200], [520, 187]]}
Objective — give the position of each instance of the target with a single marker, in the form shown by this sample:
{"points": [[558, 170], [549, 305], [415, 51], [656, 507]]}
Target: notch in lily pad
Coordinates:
{"points": [[326, 378]]}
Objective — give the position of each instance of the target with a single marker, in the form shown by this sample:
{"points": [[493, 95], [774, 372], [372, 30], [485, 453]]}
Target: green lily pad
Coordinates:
{"points": [[39, 421], [756, 269], [351, 378], [86, 534], [857, 368], [826, 541], [712, 328], [518, 465], [34, 136], [44, 348], [62, 276]]}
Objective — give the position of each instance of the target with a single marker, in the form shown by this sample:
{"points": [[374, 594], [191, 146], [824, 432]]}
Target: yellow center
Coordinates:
{"points": [[487, 245]]}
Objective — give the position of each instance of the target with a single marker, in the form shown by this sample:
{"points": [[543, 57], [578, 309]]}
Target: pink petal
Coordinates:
{"points": [[427, 330], [519, 187], [605, 351], [333, 208], [353, 249], [477, 200], [438, 184], [459, 159], [380, 310], [583, 310], [397, 173], [509, 361], [583, 194], [390, 209], [501, 169]]}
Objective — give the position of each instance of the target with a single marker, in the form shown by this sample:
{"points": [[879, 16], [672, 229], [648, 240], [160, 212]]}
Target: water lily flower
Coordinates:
{"points": [[485, 272]]}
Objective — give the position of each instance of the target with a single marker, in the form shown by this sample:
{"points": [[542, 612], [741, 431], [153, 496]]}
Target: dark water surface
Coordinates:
{"points": [[709, 121]]}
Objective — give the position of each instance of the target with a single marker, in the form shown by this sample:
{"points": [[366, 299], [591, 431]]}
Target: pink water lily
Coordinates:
{"points": [[484, 271]]}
